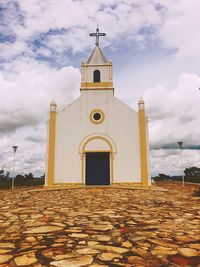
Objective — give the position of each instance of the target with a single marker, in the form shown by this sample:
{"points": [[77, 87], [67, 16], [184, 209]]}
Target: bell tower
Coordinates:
{"points": [[96, 72]]}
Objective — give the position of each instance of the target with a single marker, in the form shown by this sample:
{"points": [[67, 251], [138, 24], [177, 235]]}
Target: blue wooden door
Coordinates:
{"points": [[97, 168]]}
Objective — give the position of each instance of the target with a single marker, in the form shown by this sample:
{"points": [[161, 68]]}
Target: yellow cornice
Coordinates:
{"points": [[97, 89], [96, 85]]}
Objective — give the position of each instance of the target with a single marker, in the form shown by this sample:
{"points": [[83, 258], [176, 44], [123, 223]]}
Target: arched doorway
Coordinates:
{"points": [[97, 154], [97, 168]]}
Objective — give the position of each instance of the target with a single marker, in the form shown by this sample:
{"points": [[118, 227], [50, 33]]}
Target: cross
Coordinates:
{"points": [[97, 34]]}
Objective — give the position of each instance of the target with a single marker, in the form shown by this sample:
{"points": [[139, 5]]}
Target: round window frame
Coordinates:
{"points": [[97, 111]]}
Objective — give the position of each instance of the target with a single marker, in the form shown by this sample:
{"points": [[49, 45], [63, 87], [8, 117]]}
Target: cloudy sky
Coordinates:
{"points": [[155, 49]]}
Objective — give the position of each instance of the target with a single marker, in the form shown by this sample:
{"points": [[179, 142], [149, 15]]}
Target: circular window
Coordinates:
{"points": [[97, 116]]}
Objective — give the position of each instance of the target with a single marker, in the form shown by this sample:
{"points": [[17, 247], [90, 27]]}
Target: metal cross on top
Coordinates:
{"points": [[97, 34]]}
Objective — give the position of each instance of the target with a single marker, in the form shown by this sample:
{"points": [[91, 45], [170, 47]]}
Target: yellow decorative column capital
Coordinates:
{"points": [[52, 135], [143, 143], [53, 106]]}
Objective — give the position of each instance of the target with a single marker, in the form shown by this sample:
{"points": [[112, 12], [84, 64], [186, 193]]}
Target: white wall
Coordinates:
{"points": [[105, 70], [97, 145], [120, 124]]}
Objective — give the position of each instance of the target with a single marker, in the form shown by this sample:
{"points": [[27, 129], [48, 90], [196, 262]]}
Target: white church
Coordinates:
{"points": [[97, 140]]}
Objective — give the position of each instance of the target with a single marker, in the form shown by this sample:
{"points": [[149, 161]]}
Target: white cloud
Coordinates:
{"points": [[167, 161], [30, 154], [181, 27], [26, 93], [73, 20], [172, 24], [10, 50], [174, 114]]}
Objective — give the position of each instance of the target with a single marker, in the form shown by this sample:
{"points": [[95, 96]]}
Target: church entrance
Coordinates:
{"points": [[97, 170]]}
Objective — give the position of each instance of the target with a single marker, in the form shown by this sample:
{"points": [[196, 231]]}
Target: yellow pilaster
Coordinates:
{"points": [[52, 132], [143, 143]]}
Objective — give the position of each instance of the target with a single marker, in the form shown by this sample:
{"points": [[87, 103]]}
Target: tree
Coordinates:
{"points": [[29, 176], [19, 177], [163, 177], [4, 176], [192, 172], [7, 175], [1, 173]]}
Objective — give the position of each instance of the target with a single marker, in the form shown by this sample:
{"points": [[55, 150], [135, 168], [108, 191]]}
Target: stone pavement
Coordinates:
{"points": [[99, 227]]}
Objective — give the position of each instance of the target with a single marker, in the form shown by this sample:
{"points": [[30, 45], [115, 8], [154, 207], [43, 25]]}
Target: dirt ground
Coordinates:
{"points": [[100, 227]]}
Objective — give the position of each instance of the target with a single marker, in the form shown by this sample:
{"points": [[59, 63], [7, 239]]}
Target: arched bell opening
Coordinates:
{"points": [[96, 76]]}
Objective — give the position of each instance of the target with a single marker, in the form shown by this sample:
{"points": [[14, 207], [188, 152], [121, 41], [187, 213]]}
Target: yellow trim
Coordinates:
{"points": [[128, 183], [143, 147], [67, 184], [111, 157], [111, 167], [98, 151], [96, 85], [97, 111], [83, 167], [99, 136], [51, 154], [98, 89], [125, 185]]}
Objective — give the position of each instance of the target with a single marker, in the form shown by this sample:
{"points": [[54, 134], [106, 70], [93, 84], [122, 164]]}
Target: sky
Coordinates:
{"points": [[155, 49]]}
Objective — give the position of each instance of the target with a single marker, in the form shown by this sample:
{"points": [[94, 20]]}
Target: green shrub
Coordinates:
{"points": [[22, 181]]}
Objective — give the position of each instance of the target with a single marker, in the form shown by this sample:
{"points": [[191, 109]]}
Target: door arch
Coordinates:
{"points": [[97, 143]]}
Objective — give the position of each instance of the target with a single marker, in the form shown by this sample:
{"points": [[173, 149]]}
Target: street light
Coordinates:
{"points": [[13, 179], [180, 144]]}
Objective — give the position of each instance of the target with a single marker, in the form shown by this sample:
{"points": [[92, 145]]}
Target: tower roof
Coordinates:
{"points": [[96, 72], [97, 57]]}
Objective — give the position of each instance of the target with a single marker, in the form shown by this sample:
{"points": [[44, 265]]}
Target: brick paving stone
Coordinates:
{"points": [[100, 227]]}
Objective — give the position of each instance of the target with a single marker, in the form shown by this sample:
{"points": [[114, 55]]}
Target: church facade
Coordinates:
{"points": [[97, 139]]}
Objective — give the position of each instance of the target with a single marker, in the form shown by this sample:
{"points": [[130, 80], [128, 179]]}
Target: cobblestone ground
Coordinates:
{"points": [[99, 227]]}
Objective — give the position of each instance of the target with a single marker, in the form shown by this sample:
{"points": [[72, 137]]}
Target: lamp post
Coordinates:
{"points": [[13, 179], [180, 144]]}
